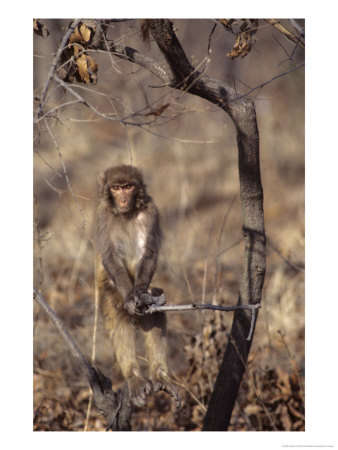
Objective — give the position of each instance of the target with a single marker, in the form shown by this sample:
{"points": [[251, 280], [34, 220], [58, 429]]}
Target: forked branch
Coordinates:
{"points": [[114, 406]]}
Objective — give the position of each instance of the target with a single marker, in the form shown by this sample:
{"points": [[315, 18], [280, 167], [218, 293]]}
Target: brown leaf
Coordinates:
{"points": [[227, 23], [87, 69], [242, 46], [158, 111], [83, 33], [243, 41], [40, 29]]}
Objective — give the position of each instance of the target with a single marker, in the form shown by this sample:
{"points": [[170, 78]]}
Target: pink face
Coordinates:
{"points": [[123, 196]]}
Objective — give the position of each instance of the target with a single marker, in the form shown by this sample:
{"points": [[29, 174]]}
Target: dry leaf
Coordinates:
{"points": [[83, 33], [40, 29], [242, 45], [227, 23], [158, 111], [87, 69], [75, 62], [244, 33]]}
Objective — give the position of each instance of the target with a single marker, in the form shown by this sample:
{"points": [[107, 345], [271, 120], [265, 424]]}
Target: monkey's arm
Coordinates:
{"points": [[117, 273], [146, 266], [121, 279], [113, 264], [145, 270]]}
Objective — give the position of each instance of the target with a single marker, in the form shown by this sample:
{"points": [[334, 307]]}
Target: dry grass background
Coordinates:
{"points": [[196, 187]]}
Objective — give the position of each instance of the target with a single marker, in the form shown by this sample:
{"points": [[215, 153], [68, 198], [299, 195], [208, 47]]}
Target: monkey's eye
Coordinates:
{"points": [[116, 187], [129, 187]]}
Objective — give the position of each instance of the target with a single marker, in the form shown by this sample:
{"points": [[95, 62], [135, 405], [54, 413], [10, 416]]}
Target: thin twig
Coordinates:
{"points": [[299, 28], [271, 80], [293, 364], [76, 352], [209, 39], [65, 173], [193, 306], [252, 379], [96, 316], [298, 267], [108, 402], [55, 62], [287, 33]]}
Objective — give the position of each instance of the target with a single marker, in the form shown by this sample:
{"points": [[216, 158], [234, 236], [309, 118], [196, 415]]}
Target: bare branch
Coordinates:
{"points": [[55, 63], [65, 173], [276, 23], [114, 406], [299, 28], [80, 99], [76, 352], [193, 306], [272, 79], [132, 55]]}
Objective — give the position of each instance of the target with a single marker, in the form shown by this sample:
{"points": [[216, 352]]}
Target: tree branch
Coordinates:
{"points": [[114, 406], [53, 67], [243, 114], [100, 42], [194, 307], [297, 40]]}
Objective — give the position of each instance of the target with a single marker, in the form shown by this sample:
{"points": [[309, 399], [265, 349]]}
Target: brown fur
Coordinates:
{"points": [[127, 246]]}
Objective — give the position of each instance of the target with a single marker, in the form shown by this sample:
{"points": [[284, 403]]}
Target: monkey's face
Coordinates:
{"points": [[123, 196]]}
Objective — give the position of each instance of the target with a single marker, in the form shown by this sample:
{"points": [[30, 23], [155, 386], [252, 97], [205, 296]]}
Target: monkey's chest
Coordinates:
{"points": [[131, 248]]}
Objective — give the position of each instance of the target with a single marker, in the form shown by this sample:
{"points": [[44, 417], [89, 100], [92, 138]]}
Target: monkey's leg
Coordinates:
{"points": [[123, 336], [120, 325], [155, 330]]}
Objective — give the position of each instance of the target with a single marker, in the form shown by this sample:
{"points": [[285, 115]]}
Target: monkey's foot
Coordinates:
{"points": [[138, 389], [164, 385]]}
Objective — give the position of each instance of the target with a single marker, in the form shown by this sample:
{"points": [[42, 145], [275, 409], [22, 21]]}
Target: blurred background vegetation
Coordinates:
{"points": [[188, 155]]}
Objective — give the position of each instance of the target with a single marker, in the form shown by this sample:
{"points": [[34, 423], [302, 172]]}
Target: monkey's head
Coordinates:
{"points": [[122, 187]]}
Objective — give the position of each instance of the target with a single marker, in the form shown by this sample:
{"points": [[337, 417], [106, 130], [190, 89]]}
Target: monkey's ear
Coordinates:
{"points": [[101, 178], [101, 181]]}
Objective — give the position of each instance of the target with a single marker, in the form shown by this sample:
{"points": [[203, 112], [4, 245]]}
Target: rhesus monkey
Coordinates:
{"points": [[127, 238]]}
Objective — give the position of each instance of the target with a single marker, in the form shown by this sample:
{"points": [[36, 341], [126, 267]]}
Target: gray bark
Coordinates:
{"points": [[243, 115]]}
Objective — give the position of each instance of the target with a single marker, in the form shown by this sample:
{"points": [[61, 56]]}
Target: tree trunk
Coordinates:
{"points": [[242, 112]]}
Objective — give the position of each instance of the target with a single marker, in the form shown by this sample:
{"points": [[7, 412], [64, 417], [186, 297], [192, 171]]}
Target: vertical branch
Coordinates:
{"points": [[243, 114]]}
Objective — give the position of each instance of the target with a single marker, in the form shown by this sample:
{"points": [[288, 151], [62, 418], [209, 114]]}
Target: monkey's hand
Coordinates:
{"points": [[137, 302], [161, 384], [133, 305], [138, 389]]}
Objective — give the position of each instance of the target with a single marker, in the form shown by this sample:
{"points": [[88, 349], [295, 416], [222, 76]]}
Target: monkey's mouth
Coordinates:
{"points": [[124, 207]]}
